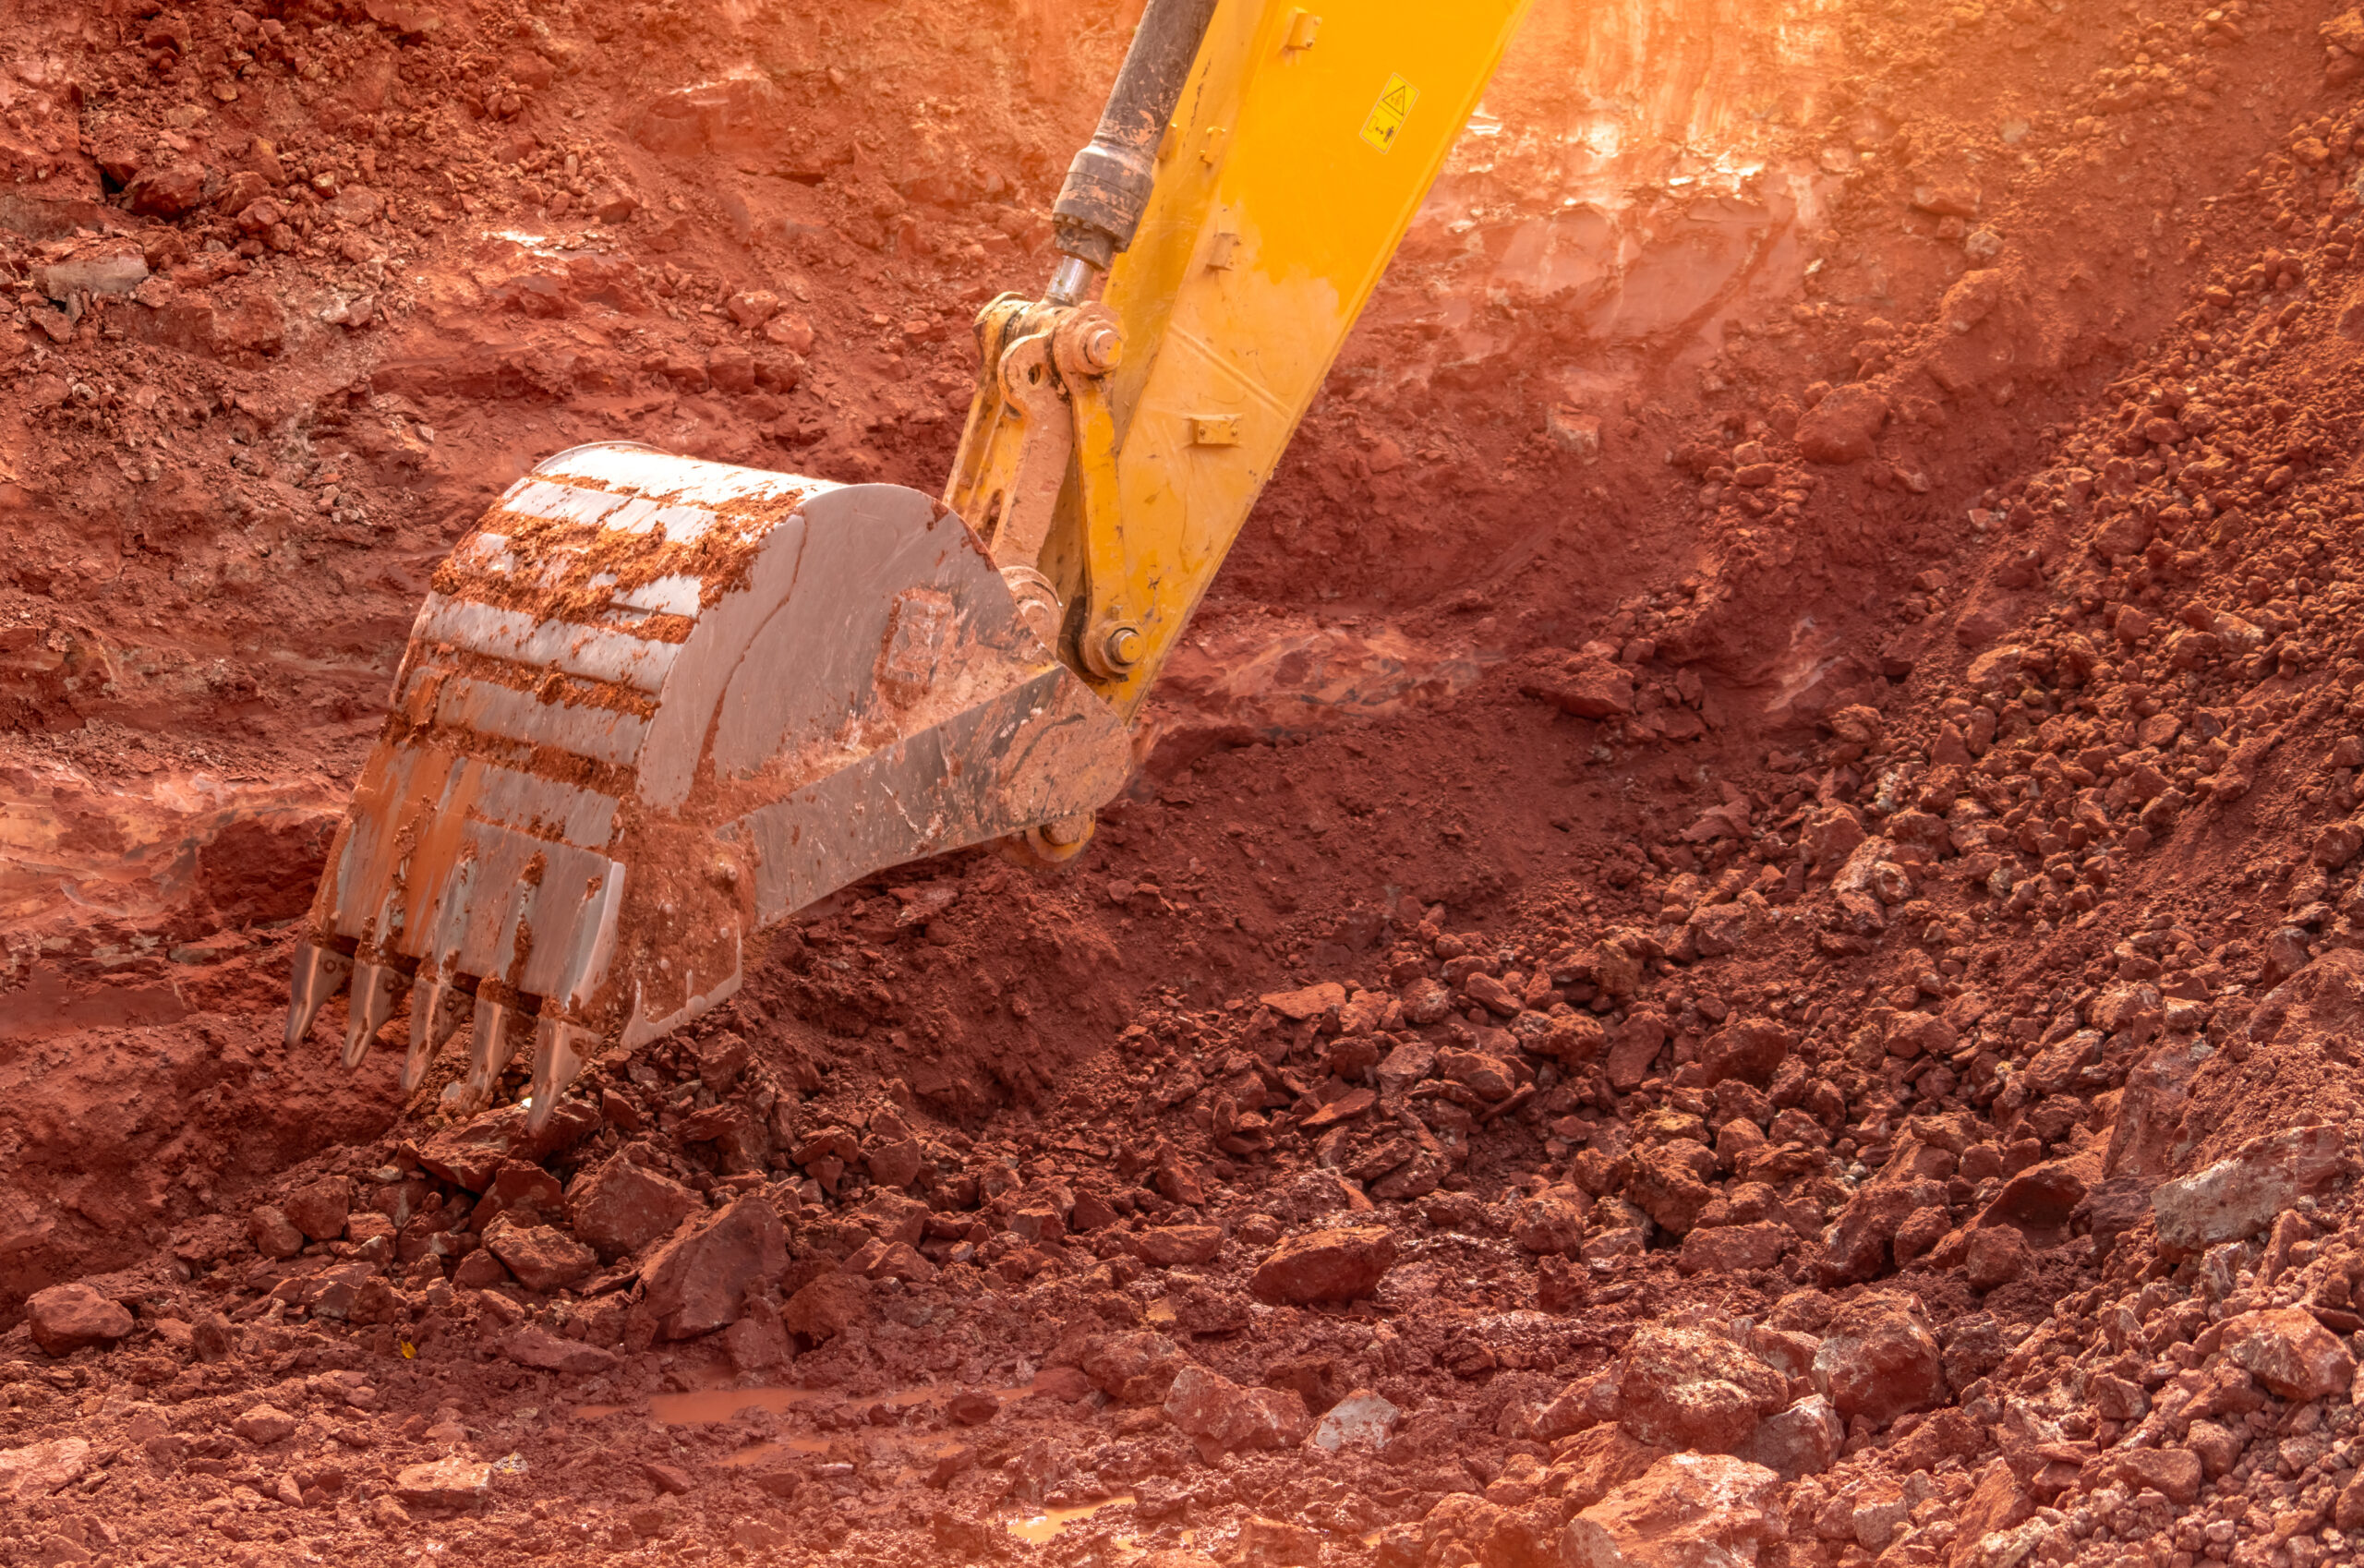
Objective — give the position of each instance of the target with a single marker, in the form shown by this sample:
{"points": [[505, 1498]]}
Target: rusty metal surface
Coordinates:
{"points": [[653, 705]]}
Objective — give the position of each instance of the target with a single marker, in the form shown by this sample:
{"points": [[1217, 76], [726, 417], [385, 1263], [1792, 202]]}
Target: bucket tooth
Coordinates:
{"points": [[437, 1010], [559, 1050], [495, 1042], [376, 988], [320, 973]]}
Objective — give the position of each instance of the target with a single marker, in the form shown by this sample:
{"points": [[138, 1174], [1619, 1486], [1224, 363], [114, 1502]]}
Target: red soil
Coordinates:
{"points": [[1797, 683]]}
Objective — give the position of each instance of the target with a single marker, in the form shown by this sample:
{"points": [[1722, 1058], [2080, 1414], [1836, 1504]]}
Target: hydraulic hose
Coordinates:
{"points": [[1108, 185]]}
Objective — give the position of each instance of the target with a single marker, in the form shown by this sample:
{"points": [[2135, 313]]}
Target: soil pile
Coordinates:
{"points": [[1763, 963]]}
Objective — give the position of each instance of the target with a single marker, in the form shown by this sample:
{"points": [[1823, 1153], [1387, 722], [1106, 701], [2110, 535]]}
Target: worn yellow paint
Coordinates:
{"points": [[1247, 272]]}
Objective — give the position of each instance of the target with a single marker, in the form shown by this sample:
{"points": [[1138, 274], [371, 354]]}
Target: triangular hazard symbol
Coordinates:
{"points": [[1395, 101]]}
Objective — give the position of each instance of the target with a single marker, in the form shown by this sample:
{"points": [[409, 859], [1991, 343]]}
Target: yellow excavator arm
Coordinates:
{"points": [[655, 704]]}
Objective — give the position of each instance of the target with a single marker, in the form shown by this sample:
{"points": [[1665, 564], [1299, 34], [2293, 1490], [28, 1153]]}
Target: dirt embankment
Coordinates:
{"points": [[1740, 938]]}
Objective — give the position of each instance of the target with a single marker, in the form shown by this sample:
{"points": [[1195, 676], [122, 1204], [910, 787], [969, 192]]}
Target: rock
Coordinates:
{"points": [[1362, 1419], [1325, 1265], [1804, 1440], [1221, 1413], [2289, 1352], [1688, 1388], [1585, 685], [893, 1164], [1879, 1359], [318, 1209], [697, 1282], [1727, 1248], [521, 1189], [173, 191], [1749, 1049], [1134, 1368], [541, 1257], [471, 1155], [529, 1346], [66, 1318], [274, 1234], [621, 1207], [1166, 1246], [1842, 427], [444, 1483], [827, 1307], [1551, 1220], [2347, 1511], [1666, 1186], [2235, 1197], [1313, 1002], [1688, 1511], [1585, 1403], [758, 1343], [2173, 1473], [1599, 1460], [106, 266], [1995, 1256], [38, 1470], [264, 1425]]}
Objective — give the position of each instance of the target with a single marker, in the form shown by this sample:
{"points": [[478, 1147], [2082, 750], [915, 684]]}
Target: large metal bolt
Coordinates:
{"points": [[1102, 345], [1124, 646]]}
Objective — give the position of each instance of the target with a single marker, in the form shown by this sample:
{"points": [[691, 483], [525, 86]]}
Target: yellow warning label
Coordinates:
{"points": [[1387, 116]]}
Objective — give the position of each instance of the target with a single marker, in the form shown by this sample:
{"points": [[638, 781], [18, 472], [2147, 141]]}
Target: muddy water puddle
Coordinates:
{"points": [[1037, 1528]]}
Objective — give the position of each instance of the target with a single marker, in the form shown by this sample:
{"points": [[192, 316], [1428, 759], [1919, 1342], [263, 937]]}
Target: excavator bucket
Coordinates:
{"points": [[652, 705]]}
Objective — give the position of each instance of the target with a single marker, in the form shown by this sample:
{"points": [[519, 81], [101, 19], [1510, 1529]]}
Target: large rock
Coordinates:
{"points": [[1687, 1388], [541, 1257], [1880, 1359], [2289, 1352], [1325, 1265], [2236, 1198], [621, 1207], [1551, 1220], [827, 1307], [318, 1209], [529, 1346], [1725, 1249], [1134, 1368], [66, 1318], [472, 1156], [444, 1483], [38, 1470], [1599, 1461], [698, 1282], [274, 1234], [1362, 1419], [1842, 427], [1748, 1049], [1688, 1511], [1804, 1440], [1228, 1417], [1167, 1244], [264, 1425], [1585, 684]]}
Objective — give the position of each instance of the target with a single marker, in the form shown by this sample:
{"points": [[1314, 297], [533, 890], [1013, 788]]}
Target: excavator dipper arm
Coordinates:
{"points": [[655, 704]]}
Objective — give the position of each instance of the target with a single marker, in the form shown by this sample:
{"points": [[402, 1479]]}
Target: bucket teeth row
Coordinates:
{"points": [[438, 1008], [320, 973]]}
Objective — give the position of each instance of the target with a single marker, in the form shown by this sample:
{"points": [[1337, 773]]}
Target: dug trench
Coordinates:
{"points": [[1738, 940]]}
